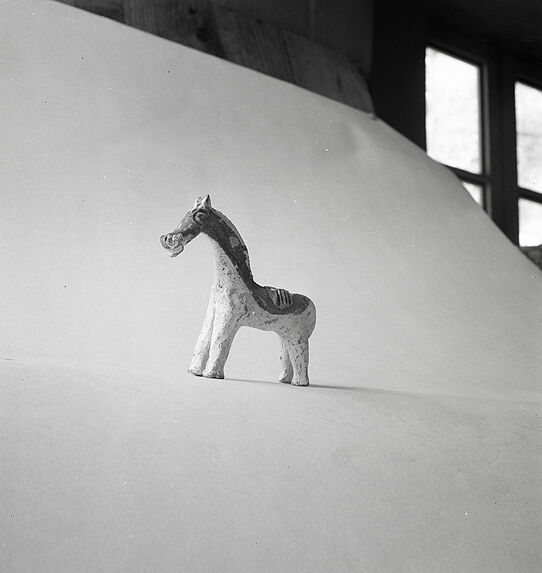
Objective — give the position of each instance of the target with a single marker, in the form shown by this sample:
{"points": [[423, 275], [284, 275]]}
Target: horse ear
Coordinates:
{"points": [[206, 202], [197, 203]]}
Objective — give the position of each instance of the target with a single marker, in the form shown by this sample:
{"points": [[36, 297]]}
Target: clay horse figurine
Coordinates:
{"points": [[237, 300]]}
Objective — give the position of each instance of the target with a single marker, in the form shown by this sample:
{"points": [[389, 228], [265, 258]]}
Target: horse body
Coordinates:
{"points": [[237, 300]]}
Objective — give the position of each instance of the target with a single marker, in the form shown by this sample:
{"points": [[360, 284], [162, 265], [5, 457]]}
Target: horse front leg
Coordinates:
{"points": [[225, 327], [201, 351]]}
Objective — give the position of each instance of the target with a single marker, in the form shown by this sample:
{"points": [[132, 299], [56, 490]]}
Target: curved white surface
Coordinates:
{"points": [[417, 448]]}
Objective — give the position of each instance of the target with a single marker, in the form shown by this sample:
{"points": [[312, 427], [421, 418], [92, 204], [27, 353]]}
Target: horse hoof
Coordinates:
{"points": [[285, 380], [195, 372], [211, 374], [300, 382]]}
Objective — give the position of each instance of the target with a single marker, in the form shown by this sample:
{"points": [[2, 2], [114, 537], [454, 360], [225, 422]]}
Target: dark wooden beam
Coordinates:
{"points": [[397, 81]]}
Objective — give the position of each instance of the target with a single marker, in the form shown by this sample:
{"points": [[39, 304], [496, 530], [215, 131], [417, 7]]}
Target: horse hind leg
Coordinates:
{"points": [[299, 356], [287, 371]]}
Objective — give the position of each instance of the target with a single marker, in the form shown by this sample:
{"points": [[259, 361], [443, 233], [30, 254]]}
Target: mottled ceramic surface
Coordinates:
{"points": [[237, 300]]}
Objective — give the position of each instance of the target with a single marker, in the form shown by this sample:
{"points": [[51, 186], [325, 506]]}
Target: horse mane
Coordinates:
{"points": [[241, 247]]}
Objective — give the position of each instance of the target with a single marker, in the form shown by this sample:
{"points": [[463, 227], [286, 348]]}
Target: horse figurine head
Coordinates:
{"points": [[189, 228]]}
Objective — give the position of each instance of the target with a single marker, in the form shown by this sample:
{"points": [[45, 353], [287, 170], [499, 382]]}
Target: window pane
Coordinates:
{"points": [[453, 111], [529, 136], [530, 223], [475, 191]]}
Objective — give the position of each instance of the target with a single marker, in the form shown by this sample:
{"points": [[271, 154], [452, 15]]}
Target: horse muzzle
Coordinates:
{"points": [[172, 242]]}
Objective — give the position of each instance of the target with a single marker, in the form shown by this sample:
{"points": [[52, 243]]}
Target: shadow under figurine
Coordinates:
{"points": [[237, 300]]}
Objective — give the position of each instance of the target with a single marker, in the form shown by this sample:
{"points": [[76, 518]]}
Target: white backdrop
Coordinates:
{"points": [[108, 142], [108, 136]]}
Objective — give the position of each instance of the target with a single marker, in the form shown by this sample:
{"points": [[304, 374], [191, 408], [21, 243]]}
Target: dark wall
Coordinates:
{"points": [[397, 80], [345, 25]]}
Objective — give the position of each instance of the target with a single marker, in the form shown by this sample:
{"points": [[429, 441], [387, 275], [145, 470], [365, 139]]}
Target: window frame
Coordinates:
{"points": [[499, 72], [466, 51], [481, 179], [524, 74]]}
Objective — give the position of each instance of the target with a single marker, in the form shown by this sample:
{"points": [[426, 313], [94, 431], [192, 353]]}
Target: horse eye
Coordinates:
{"points": [[200, 217]]}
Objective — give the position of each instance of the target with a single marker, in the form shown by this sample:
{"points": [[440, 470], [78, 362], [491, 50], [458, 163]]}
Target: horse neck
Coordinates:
{"points": [[231, 253]]}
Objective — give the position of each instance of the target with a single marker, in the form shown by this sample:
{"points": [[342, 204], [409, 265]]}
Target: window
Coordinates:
{"points": [[484, 121], [453, 118], [476, 192], [529, 136], [528, 104]]}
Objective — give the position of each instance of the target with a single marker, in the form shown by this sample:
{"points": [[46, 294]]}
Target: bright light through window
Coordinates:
{"points": [[530, 223], [529, 136], [475, 191], [453, 111]]}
